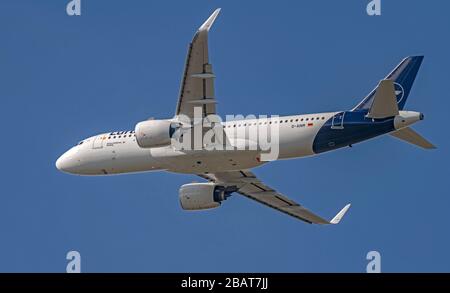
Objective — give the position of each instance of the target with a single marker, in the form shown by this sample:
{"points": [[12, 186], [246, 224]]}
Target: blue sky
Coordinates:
{"points": [[65, 78]]}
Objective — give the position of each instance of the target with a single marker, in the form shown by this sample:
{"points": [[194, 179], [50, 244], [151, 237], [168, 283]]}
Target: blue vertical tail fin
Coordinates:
{"points": [[403, 77]]}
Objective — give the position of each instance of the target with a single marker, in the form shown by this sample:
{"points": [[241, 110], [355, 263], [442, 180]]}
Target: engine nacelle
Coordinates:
{"points": [[154, 133], [202, 196]]}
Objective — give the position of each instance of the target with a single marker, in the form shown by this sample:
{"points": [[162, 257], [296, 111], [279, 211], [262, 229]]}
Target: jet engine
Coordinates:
{"points": [[154, 133], [201, 196]]}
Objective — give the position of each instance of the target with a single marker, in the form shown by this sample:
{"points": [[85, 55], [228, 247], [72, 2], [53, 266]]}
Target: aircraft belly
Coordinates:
{"points": [[197, 162]]}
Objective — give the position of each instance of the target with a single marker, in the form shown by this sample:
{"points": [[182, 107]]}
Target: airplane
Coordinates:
{"points": [[149, 147]]}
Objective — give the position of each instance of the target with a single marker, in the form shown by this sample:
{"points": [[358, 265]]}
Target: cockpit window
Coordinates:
{"points": [[81, 142]]}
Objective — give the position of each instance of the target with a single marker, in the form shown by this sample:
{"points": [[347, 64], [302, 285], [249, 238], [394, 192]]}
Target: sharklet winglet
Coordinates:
{"points": [[206, 26], [340, 215]]}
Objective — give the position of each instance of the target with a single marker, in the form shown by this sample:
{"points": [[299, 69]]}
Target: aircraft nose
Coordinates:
{"points": [[59, 163], [68, 162]]}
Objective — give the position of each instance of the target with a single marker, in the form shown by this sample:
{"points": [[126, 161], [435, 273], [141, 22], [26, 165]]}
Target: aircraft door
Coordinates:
{"points": [[338, 121], [98, 142]]}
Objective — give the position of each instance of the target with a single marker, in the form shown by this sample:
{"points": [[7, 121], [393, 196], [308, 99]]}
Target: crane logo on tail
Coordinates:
{"points": [[399, 92]]}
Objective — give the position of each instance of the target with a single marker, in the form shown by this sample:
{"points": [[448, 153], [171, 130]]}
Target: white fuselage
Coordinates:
{"points": [[114, 153]]}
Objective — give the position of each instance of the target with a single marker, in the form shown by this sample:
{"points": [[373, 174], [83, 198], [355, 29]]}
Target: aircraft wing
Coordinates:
{"points": [[197, 84], [248, 185]]}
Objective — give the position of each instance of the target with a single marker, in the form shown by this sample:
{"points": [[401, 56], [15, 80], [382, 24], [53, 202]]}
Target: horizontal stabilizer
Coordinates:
{"points": [[384, 102], [412, 137]]}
